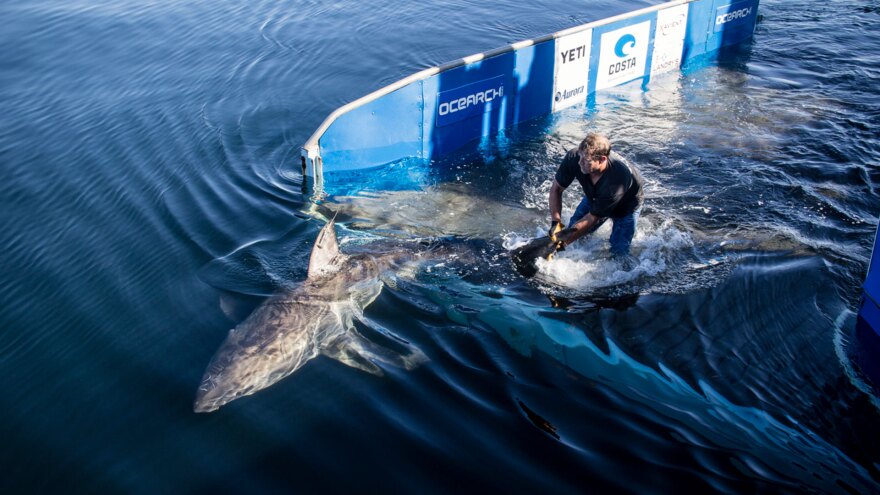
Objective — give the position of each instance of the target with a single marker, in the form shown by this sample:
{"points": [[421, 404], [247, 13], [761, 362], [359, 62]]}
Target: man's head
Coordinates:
{"points": [[593, 152]]}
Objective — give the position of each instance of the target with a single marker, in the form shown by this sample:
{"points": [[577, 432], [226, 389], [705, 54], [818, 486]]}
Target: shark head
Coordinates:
{"points": [[258, 353]]}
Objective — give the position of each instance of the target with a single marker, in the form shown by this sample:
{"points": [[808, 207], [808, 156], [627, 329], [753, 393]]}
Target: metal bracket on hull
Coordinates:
{"points": [[312, 165]]}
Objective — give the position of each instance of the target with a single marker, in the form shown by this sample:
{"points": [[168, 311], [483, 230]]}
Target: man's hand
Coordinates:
{"points": [[555, 227], [560, 246]]}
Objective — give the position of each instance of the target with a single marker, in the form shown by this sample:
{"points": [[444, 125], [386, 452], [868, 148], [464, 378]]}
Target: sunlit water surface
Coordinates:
{"points": [[149, 156]]}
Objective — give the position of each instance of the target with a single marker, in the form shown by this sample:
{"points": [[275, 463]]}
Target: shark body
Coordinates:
{"points": [[293, 327]]}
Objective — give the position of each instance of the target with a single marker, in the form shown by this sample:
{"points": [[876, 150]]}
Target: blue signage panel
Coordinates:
{"points": [[380, 132], [456, 101], [697, 33], [736, 15], [621, 51], [466, 104], [469, 100], [870, 313], [533, 72], [731, 23]]}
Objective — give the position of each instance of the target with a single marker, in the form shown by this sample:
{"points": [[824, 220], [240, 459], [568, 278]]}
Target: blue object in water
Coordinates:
{"points": [[467, 101], [870, 309], [868, 321]]}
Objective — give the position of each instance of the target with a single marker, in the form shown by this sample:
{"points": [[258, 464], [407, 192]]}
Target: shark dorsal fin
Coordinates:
{"points": [[325, 250]]}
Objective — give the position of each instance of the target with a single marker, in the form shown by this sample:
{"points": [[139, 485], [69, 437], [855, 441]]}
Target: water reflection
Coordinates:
{"points": [[765, 446]]}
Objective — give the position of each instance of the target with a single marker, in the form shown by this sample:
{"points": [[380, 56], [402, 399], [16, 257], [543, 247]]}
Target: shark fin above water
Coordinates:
{"points": [[325, 251]]}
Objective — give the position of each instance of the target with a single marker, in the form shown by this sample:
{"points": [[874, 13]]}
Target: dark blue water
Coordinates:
{"points": [[149, 156]]}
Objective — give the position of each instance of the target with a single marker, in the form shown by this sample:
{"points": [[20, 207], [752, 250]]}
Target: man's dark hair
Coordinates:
{"points": [[595, 145]]}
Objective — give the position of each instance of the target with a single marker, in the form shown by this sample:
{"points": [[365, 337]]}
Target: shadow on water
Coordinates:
{"points": [[754, 380]]}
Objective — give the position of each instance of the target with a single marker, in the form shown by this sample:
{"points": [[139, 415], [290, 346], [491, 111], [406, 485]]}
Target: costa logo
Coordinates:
{"points": [[622, 48], [624, 45], [618, 67], [622, 54]]}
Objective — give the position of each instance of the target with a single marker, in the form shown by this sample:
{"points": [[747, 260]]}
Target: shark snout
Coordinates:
{"points": [[213, 391], [208, 398]]}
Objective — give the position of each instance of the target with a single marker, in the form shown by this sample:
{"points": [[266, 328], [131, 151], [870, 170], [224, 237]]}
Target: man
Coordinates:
{"points": [[612, 189]]}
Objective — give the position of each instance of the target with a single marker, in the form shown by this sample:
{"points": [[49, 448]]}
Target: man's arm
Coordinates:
{"points": [[556, 202], [583, 226]]}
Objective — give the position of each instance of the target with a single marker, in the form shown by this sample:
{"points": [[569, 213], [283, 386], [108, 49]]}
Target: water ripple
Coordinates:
{"points": [[152, 197]]}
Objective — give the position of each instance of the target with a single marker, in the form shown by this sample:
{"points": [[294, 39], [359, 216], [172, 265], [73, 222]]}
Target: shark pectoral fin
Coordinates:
{"points": [[343, 351], [358, 352], [343, 348], [363, 293], [408, 361], [525, 257]]}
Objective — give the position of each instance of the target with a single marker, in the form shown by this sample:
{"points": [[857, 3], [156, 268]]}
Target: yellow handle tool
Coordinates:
{"points": [[555, 228]]}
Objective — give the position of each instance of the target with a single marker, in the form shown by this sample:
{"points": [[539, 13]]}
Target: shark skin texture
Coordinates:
{"points": [[315, 318]]}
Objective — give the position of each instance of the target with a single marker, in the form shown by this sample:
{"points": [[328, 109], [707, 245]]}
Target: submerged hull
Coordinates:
{"points": [[868, 322]]}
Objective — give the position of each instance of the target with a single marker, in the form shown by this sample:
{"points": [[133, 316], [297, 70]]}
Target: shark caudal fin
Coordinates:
{"points": [[325, 250]]}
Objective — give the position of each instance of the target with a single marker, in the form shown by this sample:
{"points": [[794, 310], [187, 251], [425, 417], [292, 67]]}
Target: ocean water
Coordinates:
{"points": [[149, 154]]}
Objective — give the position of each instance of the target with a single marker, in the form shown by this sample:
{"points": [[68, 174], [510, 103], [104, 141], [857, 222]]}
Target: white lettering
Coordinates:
{"points": [[470, 100], [732, 16]]}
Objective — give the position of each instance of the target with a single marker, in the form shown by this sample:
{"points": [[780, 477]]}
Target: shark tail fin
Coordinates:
{"points": [[325, 250], [525, 257]]}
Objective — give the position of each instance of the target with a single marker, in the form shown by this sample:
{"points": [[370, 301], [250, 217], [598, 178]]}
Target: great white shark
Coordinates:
{"points": [[317, 316], [314, 318]]}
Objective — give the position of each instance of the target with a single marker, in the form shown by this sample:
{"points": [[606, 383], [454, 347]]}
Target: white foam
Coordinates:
{"points": [[588, 264], [513, 240]]}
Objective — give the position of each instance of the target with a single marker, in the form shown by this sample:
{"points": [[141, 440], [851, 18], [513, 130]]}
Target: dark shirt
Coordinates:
{"points": [[617, 193]]}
